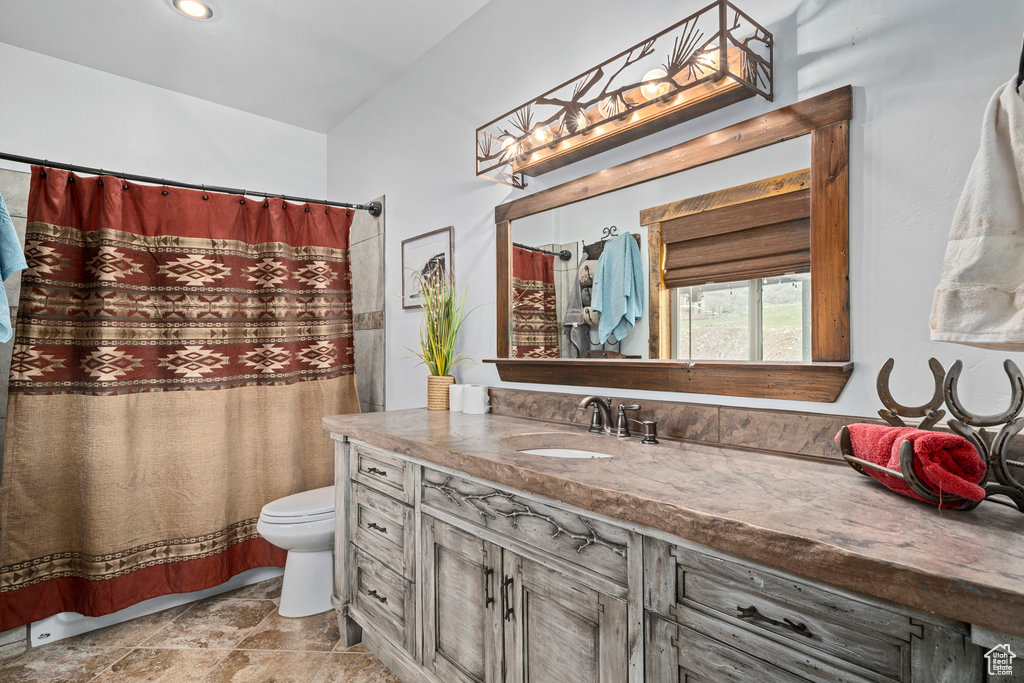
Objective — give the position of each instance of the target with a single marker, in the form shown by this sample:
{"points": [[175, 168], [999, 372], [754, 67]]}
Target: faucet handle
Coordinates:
{"points": [[622, 422]]}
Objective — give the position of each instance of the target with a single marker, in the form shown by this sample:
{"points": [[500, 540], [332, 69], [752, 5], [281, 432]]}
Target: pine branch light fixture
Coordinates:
{"points": [[709, 60]]}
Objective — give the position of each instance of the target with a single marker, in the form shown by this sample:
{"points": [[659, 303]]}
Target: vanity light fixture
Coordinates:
{"points": [[709, 60], [194, 9]]}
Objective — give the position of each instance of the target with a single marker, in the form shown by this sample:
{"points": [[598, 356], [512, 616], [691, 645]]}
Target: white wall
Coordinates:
{"points": [[922, 71], [57, 110]]}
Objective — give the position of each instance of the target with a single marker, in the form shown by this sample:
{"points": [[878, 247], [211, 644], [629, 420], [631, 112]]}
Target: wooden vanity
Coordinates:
{"points": [[459, 558]]}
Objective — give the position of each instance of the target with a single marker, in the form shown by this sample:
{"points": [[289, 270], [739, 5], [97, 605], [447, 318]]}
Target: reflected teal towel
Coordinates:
{"points": [[12, 259], [619, 287]]}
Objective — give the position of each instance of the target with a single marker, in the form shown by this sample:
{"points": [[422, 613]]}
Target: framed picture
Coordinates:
{"points": [[422, 255]]}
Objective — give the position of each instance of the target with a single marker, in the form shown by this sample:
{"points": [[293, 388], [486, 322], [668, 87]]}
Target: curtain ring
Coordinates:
{"points": [[242, 198], [202, 188], [42, 171], [99, 179], [163, 181]]}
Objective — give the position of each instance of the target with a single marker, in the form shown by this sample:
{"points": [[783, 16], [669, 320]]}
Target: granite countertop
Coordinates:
{"points": [[815, 519]]}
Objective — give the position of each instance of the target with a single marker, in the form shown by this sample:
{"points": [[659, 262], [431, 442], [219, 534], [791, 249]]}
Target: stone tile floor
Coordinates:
{"points": [[234, 636]]}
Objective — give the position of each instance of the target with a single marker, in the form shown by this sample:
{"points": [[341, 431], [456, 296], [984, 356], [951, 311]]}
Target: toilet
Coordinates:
{"points": [[303, 524]]}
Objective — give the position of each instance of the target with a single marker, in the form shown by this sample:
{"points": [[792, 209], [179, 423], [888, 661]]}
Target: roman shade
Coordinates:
{"points": [[752, 239]]}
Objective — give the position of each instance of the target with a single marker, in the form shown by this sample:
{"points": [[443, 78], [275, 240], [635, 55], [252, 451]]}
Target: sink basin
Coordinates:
{"points": [[580, 446], [565, 453]]}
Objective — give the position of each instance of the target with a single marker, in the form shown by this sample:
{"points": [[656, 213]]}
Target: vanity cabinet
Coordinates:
{"points": [[490, 614], [455, 579], [711, 618], [462, 614]]}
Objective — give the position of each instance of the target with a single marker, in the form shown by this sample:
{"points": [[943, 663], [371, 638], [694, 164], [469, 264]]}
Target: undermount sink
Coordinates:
{"points": [[564, 445], [565, 453]]}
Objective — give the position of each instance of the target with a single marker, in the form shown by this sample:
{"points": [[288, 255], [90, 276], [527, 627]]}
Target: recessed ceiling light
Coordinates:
{"points": [[193, 8]]}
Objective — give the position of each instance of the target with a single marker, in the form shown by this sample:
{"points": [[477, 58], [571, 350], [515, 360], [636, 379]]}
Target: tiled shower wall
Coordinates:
{"points": [[14, 189], [366, 251]]}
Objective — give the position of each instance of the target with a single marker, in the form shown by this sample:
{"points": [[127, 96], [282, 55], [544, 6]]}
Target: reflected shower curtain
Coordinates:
{"points": [[534, 315], [174, 353]]}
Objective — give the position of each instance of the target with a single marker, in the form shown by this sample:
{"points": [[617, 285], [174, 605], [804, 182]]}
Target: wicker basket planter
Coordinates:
{"points": [[437, 391]]}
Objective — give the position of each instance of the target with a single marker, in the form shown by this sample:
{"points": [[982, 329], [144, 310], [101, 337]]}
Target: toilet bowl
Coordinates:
{"points": [[303, 524]]}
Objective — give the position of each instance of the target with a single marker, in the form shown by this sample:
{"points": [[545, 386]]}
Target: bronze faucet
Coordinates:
{"points": [[601, 420]]}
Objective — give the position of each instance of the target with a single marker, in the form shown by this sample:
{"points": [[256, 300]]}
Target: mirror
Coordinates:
{"points": [[572, 264], [718, 216]]}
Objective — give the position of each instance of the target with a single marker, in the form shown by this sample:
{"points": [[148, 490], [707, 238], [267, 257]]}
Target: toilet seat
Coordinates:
{"points": [[300, 508]]}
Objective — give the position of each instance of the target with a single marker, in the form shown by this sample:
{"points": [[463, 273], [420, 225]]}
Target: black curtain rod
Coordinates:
{"points": [[565, 254], [375, 208]]}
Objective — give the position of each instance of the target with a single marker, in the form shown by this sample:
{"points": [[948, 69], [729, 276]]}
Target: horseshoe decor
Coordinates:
{"points": [[1009, 473]]}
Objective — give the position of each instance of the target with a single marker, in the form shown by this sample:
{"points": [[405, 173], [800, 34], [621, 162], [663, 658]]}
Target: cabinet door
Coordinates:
{"points": [[558, 629], [461, 619]]}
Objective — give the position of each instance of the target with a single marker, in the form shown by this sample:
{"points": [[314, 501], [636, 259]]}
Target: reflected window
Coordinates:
{"points": [[765, 319]]}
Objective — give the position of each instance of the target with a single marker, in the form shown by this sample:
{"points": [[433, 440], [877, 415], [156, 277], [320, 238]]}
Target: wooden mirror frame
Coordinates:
{"points": [[826, 119]]}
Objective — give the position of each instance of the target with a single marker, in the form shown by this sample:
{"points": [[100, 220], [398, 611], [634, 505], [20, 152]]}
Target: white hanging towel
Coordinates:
{"points": [[980, 300]]}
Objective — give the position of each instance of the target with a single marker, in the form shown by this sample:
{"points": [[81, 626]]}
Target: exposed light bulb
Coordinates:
{"points": [[652, 87], [540, 134], [193, 8], [509, 148]]}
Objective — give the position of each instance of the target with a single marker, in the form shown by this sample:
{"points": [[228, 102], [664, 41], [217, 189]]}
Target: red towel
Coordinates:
{"points": [[946, 463]]}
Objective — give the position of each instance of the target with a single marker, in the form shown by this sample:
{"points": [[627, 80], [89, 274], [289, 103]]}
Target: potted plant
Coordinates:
{"points": [[444, 311]]}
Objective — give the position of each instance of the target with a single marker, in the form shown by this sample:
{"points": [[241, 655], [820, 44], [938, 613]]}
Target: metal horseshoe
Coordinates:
{"points": [[893, 412], [962, 414]]}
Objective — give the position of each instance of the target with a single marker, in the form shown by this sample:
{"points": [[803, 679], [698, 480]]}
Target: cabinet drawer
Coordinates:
{"points": [[382, 527], [382, 471], [594, 545], [692, 587], [676, 653], [384, 597]]}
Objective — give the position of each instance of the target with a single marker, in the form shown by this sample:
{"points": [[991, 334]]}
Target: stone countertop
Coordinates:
{"points": [[819, 520]]}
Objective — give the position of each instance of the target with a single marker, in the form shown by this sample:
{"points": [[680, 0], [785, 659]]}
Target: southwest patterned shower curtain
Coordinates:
{"points": [[534, 318], [174, 353]]}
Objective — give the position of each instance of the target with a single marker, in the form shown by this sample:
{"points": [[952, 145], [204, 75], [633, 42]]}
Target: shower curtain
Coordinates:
{"points": [[174, 353], [534, 314]]}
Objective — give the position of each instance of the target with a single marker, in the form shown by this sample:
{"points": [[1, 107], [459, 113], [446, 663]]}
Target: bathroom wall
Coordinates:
{"points": [[52, 109], [922, 72]]}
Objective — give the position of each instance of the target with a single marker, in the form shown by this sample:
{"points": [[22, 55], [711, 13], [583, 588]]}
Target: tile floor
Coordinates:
{"points": [[234, 636]]}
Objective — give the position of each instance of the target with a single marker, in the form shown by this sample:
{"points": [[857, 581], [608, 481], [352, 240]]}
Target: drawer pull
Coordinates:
{"points": [[506, 599], [377, 596], [377, 527], [752, 614], [488, 598], [378, 472]]}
